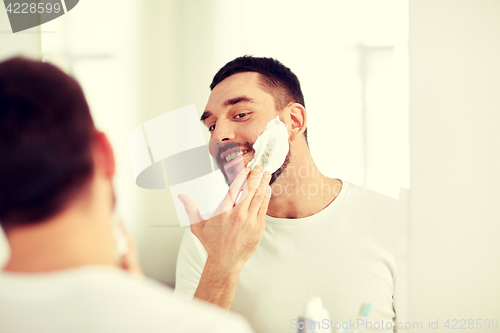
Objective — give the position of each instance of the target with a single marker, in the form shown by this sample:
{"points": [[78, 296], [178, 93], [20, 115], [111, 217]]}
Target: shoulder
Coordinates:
{"points": [[378, 213], [147, 305], [115, 300], [367, 200], [381, 220]]}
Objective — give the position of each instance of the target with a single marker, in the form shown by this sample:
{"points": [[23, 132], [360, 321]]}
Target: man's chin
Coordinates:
{"points": [[232, 171]]}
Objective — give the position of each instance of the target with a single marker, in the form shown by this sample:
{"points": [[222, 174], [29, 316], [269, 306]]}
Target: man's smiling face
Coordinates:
{"points": [[237, 112]]}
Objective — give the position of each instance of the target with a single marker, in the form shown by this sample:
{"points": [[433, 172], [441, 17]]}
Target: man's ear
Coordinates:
{"points": [[104, 158], [298, 118]]}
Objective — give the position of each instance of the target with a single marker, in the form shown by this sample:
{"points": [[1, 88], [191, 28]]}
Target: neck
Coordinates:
{"points": [[73, 238], [302, 190]]}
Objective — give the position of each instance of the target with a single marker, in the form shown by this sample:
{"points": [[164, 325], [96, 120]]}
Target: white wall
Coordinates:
{"points": [[455, 161], [25, 43]]}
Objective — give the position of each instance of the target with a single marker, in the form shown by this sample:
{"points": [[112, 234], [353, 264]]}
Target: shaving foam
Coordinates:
{"points": [[271, 147]]}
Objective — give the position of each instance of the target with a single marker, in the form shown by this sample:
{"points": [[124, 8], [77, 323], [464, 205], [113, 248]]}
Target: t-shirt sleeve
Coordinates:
{"points": [[190, 264]]}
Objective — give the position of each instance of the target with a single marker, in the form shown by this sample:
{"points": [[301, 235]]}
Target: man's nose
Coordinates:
{"points": [[222, 132]]}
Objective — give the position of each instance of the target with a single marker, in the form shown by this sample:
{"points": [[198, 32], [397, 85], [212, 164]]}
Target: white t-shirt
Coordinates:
{"points": [[94, 299], [350, 254]]}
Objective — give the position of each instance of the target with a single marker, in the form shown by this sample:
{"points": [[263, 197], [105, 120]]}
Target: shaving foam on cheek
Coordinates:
{"points": [[271, 147]]}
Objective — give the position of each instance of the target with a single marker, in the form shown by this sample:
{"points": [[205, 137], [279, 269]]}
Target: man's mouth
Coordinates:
{"points": [[228, 156], [232, 157]]}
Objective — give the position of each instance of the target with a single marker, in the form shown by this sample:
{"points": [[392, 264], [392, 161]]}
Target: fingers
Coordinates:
{"points": [[232, 194], [126, 248], [196, 222], [244, 192], [191, 209], [252, 185], [130, 260], [260, 194]]}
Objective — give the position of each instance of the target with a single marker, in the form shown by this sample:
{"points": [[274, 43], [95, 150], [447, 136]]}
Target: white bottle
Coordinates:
{"points": [[316, 318]]}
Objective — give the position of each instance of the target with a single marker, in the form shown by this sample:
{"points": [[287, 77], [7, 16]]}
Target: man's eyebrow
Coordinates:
{"points": [[229, 102], [205, 115], [239, 99]]}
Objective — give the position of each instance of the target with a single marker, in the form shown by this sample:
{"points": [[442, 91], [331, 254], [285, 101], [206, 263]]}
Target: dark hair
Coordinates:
{"points": [[46, 138], [275, 78]]}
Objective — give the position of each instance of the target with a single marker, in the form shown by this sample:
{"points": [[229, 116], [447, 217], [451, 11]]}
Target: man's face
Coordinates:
{"points": [[237, 112]]}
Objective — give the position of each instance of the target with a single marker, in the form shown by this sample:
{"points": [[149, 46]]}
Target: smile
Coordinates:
{"points": [[232, 156]]}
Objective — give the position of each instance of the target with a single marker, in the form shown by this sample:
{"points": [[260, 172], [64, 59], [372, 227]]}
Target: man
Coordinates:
{"points": [[321, 236], [56, 207]]}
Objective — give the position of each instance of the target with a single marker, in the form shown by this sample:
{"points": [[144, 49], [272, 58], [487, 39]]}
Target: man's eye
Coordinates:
{"points": [[241, 115], [211, 128]]}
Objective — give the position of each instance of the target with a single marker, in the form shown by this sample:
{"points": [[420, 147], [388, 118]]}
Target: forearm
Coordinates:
{"points": [[218, 284]]}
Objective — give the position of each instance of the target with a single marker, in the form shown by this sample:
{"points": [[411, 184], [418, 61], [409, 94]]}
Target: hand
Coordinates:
{"points": [[129, 260], [233, 234]]}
